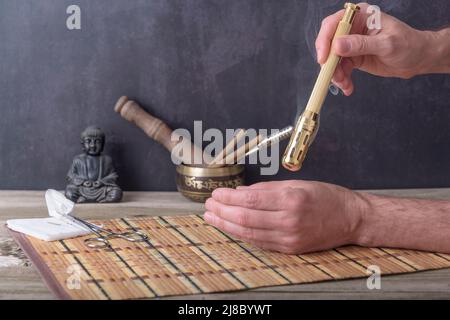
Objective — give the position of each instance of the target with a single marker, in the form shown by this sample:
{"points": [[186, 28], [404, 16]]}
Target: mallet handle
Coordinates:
{"points": [[155, 128]]}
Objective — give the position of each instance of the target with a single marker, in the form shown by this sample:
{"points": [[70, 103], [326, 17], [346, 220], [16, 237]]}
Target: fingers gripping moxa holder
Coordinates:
{"points": [[308, 123]]}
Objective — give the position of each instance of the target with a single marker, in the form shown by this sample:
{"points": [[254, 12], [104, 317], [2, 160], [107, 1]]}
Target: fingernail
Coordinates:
{"points": [[344, 45]]}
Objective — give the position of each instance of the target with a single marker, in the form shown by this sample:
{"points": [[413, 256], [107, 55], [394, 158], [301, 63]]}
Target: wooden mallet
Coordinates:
{"points": [[155, 128]]}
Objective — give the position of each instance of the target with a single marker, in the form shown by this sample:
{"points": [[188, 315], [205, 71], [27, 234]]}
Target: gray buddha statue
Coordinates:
{"points": [[92, 177]]}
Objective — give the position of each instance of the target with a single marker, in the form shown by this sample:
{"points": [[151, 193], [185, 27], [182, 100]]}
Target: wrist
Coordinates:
{"points": [[362, 211], [437, 49]]}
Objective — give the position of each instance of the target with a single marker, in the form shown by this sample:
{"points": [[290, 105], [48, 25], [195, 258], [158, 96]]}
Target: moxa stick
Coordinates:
{"points": [[237, 155], [219, 159]]}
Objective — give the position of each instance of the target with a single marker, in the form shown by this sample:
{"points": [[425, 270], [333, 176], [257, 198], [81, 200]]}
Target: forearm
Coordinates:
{"points": [[404, 223], [438, 51]]}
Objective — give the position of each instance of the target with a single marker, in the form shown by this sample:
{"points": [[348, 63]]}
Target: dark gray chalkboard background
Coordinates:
{"points": [[234, 63]]}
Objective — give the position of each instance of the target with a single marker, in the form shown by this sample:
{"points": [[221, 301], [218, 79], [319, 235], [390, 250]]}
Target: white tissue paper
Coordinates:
{"points": [[57, 227]]}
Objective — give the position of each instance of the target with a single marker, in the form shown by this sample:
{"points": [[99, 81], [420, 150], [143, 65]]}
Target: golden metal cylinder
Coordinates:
{"points": [[301, 139]]}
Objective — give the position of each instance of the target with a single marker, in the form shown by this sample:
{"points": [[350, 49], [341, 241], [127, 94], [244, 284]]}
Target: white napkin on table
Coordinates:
{"points": [[57, 227]]}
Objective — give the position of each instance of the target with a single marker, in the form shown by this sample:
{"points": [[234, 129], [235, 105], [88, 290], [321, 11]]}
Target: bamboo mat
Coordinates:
{"points": [[184, 255]]}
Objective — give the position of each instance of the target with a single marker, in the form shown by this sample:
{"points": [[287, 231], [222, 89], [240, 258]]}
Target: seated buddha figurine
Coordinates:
{"points": [[92, 177]]}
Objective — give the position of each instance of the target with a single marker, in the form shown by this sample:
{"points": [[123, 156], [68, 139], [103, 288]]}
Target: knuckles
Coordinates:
{"points": [[291, 224], [295, 199], [248, 234], [251, 199], [242, 218], [296, 203], [361, 44]]}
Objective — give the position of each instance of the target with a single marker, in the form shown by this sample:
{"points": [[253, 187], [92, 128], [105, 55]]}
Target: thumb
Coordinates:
{"points": [[356, 45]]}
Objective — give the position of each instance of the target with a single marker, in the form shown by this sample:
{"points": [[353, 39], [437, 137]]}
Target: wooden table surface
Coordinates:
{"points": [[19, 279]]}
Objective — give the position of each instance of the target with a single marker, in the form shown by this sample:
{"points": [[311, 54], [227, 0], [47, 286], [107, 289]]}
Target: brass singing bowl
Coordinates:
{"points": [[197, 183]]}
